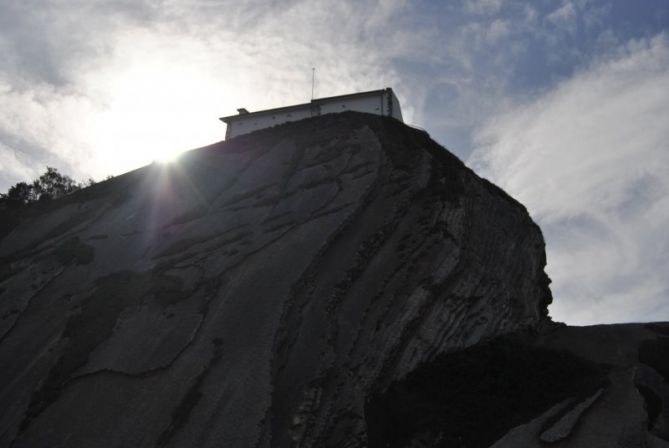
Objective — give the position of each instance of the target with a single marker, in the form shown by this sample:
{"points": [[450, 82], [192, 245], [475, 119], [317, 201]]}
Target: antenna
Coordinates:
{"points": [[313, 81]]}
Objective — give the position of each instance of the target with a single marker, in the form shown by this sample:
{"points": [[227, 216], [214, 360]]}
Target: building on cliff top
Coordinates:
{"points": [[378, 102]]}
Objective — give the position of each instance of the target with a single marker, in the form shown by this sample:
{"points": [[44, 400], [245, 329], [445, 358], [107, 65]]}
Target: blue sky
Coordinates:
{"points": [[563, 103]]}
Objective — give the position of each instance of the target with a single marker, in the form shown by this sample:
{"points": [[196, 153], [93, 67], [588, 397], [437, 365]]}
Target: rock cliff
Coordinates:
{"points": [[263, 291]]}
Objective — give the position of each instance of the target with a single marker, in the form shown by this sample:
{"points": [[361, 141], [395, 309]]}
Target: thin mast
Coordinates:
{"points": [[313, 80]]}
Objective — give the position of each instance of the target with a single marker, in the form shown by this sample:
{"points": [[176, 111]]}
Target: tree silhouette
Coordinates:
{"points": [[20, 194], [53, 185], [50, 185]]}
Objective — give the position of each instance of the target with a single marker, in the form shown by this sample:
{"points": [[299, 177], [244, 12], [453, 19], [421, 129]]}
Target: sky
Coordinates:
{"points": [[563, 103]]}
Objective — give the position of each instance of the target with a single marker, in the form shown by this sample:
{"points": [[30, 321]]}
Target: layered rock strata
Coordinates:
{"points": [[258, 291]]}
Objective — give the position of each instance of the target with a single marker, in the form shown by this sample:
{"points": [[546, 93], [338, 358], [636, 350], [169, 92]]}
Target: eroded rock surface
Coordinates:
{"points": [[599, 386], [256, 293]]}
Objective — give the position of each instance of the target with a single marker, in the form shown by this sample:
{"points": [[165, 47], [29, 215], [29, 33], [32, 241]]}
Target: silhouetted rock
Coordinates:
{"points": [[261, 291], [599, 386]]}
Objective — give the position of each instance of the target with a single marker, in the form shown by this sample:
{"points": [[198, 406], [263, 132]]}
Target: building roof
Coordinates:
{"points": [[313, 102]]}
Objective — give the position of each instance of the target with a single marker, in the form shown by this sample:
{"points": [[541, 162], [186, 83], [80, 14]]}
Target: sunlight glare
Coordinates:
{"points": [[155, 110], [169, 156], [162, 94]]}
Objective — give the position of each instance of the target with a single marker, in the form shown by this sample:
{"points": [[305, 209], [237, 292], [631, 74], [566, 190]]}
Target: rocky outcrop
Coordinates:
{"points": [[599, 386], [258, 293]]}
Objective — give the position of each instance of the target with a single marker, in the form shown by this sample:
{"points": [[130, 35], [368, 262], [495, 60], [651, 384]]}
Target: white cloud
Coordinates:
{"points": [[129, 83], [36, 124], [590, 160]]}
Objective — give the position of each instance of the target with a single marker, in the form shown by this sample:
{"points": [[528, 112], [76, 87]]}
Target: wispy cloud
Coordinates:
{"points": [[483, 6], [100, 89], [590, 161], [564, 16]]}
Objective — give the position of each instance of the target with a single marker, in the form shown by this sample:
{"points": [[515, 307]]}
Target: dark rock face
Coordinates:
{"points": [[473, 397], [598, 386], [260, 292]]}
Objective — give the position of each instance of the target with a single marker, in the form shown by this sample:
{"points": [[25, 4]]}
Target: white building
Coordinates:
{"points": [[378, 102]]}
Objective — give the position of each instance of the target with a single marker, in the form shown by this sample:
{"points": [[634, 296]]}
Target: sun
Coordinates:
{"points": [[169, 156], [152, 113]]}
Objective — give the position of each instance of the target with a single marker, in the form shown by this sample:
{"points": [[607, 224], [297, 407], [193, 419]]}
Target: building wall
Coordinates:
{"points": [[370, 104], [253, 123], [378, 104]]}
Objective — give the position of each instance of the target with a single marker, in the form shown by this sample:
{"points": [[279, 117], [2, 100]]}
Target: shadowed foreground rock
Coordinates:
{"points": [[277, 290], [600, 386]]}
